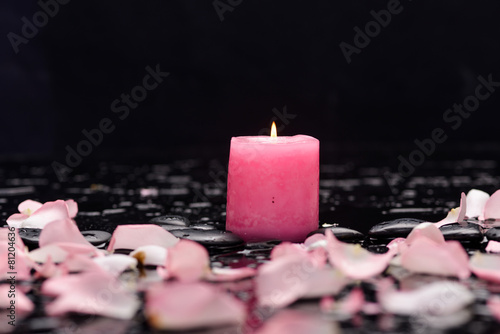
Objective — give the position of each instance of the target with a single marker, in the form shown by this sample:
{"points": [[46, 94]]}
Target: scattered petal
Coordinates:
{"points": [[493, 246], [494, 306], [29, 206], [64, 230], [287, 248], [59, 251], [72, 208], [96, 293], [486, 266], [115, 264], [492, 206], [426, 230], [134, 236], [16, 220], [230, 274], [150, 255], [476, 200], [188, 261], [297, 322], [47, 213], [183, 306]]}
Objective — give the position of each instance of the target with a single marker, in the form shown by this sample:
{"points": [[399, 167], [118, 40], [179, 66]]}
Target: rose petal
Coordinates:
{"points": [[47, 213], [492, 206], [49, 269], [486, 266], [229, 274], [115, 264], [183, 306], [72, 208], [23, 305], [16, 220], [314, 240], [493, 246], [428, 257], [188, 261], [426, 230], [287, 248], [64, 230], [449, 296], [494, 306], [134, 236], [150, 255], [476, 200], [59, 251], [456, 214], [353, 260], [29, 206], [90, 293]]}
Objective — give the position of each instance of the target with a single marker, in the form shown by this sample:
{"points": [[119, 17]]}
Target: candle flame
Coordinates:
{"points": [[274, 133]]}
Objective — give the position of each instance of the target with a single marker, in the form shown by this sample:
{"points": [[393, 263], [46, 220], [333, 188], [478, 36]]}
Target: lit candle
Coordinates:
{"points": [[273, 187]]}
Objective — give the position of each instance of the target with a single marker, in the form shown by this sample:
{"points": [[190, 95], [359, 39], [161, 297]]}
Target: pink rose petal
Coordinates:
{"points": [[115, 264], [314, 239], [230, 274], [16, 220], [428, 257], [353, 260], [29, 206], [64, 230], [90, 293], [492, 206], [456, 214], [494, 306], [49, 212], [493, 246], [425, 230], [134, 236], [72, 208], [49, 269], [486, 266], [150, 255], [59, 251], [183, 306], [188, 261], [297, 322], [287, 248], [476, 200], [349, 305]]}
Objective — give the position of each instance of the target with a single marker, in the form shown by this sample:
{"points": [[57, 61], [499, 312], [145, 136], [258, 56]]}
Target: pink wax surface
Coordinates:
{"points": [[273, 187]]}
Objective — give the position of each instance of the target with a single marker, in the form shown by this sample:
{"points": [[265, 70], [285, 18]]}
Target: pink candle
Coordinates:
{"points": [[273, 187]]}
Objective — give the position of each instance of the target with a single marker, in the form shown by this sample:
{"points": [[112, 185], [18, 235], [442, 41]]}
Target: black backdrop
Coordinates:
{"points": [[236, 65]]}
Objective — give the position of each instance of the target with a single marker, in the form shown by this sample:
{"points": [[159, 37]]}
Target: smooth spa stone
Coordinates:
{"points": [[468, 233], [96, 237], [30, 235], [396, 228], [341, 233], [212, 238], [493, 234], [171, 220]]}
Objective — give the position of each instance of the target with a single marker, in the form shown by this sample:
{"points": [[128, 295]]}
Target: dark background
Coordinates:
{"points": [[227, 76]]}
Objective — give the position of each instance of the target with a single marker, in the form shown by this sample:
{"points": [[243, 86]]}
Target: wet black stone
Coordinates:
{"points": [[96, 237], [30, 235], [171, 220], [468, 233], [211, 238], [205, 227], [493, 234], [396, 228], [341, 233]]}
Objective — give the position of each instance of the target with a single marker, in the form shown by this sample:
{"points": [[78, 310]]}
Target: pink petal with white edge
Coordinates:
{"points": [[115, 264], [494, 306], [456, 214], [16, 220], [486, 266], [134, 236], [187, 261], [150, 255], [476, 200], [282, 281], [49, 212], [90, 293], [493, 246], [49, 269], [492, 206], [23, 304], [349, 305], [450, 296], [297, 322], [353, 260], [64, 230], [397, 245], [72, 208], [59, 251], [287, 248], [183, 306], [428, 257], [314, 240], [425, 230], [29, 206], [229, 274]]}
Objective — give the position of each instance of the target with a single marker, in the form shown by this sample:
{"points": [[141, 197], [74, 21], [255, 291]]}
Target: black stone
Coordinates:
{"points": [[171, 220], [205, 227], [469, 233], [396, 228], [96, 237], [210, 238], [493, 234], [30, 235], [341, 233]]}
